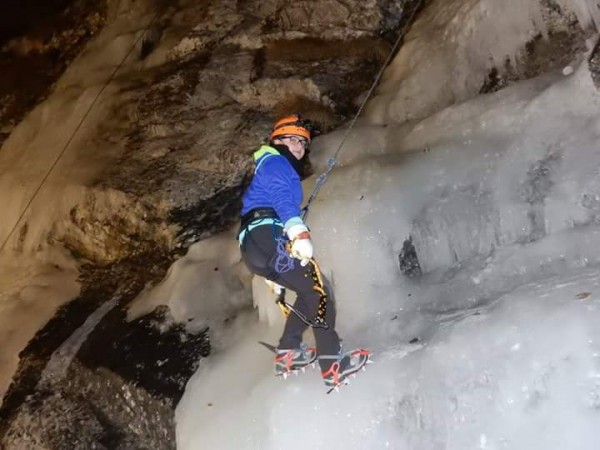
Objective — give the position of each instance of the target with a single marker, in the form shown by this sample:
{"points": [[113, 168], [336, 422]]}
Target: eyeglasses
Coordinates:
{"points": [[297, 140]]}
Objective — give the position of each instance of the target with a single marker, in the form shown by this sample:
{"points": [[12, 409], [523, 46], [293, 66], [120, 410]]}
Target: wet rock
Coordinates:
{"points": [[534, 191], [331, 19], [92, 409], [110, 225], [153, 353], [409, 260], [38, 40], [122, 386], [150, 40], [53, 420]]}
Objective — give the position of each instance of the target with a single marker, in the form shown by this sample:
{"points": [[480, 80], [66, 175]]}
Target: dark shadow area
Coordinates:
{"points": [[126, 379], [408, 259], [38, 39]]}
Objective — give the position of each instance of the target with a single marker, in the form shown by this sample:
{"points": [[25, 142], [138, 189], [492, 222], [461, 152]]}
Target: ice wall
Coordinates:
{"points": [[500, 195], [493, 177]]}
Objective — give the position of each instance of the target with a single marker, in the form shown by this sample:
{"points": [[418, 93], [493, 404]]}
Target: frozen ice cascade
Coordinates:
{"points": [[503, 211], [494, 345]]}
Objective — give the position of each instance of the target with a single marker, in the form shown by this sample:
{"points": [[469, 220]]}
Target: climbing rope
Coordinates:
{"points": [[77, 128], [284, 262], [332, 162]]}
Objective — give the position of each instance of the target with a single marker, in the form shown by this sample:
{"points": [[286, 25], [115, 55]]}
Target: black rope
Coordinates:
{"points": [[302, 317], [313, 324]]}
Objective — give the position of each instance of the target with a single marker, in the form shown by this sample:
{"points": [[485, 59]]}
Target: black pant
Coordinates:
{"points": [[260, 254]]}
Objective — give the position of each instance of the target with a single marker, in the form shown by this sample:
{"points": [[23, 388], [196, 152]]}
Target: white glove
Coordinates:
{"points": [[274, 287], [302, 247]]}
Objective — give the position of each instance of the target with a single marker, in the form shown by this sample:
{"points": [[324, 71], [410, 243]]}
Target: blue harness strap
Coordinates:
{"points": [[257, 223]]}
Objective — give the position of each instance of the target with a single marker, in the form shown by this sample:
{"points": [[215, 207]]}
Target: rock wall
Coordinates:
{"points": [[208, 96], [164, 149], [38, 40]]}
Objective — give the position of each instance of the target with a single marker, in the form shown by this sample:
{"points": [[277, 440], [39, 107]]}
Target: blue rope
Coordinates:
{"points": [[284, 262]]}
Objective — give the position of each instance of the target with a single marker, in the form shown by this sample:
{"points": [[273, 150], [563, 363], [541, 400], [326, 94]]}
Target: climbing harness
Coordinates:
{"points": [[332, 162]]}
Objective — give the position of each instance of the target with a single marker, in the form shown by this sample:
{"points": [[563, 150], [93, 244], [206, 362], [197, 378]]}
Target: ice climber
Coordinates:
{"points": [[275, 244]]}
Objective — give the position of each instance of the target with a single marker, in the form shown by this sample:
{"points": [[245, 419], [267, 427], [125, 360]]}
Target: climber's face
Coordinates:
{"points": [[296, 144]]}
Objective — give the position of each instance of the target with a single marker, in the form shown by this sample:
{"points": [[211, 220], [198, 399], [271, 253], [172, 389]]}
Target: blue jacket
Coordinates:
{"points": [[275, 185]]}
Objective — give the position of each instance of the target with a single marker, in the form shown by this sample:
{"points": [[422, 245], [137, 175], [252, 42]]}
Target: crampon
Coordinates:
{"points": [[292, 361], [345, 366]]}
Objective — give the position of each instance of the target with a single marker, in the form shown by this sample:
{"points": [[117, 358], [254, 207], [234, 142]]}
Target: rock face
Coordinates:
{"points": [[209, 98], [120, 388], [94, 410], [180, 117], [37, 42]]}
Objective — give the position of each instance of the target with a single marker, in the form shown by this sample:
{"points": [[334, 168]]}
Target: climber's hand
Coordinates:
{"points": [[301, 246]]}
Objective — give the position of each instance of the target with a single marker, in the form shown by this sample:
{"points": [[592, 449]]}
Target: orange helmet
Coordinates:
{"points": [[293, 125]]}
